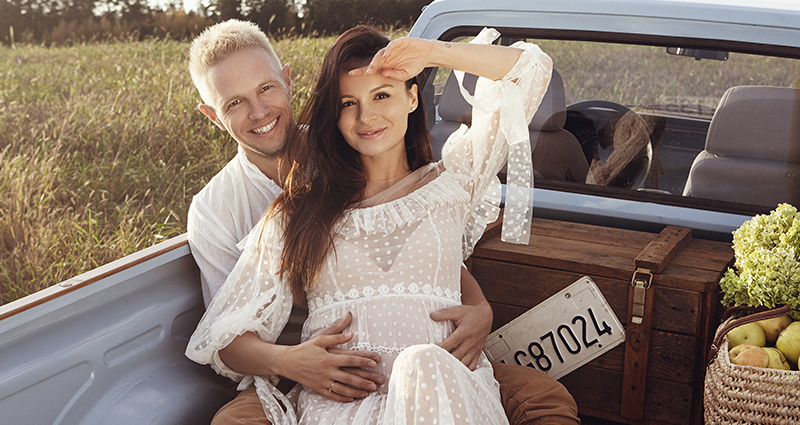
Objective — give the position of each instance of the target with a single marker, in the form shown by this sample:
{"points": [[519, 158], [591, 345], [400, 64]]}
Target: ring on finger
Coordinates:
{"points": [[330, 390]]}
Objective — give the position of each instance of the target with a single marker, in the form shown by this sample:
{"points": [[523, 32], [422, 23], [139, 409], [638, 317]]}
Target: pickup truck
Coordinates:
{"points": [[661, 112]]}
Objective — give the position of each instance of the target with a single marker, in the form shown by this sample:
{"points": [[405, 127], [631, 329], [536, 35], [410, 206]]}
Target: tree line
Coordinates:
{"points": [[59, 22]]}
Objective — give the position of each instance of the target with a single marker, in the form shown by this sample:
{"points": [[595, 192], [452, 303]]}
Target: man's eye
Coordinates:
{"points": [[235, 102], [266, 88]]}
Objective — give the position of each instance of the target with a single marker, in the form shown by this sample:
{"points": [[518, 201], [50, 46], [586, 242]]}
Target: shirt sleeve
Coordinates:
{"points": [[213, 248], [253, 299], [501, 111]]}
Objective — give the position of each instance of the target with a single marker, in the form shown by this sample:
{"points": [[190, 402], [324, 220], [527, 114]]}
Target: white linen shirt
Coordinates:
{"points": [[222, 214]]}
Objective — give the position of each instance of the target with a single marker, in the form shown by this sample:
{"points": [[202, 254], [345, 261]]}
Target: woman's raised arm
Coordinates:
{"points": [[406, 57]]}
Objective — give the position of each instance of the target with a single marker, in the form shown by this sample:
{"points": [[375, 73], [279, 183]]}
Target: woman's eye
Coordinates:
{"points": [[347, 103], [266, 88], [382, 96]]}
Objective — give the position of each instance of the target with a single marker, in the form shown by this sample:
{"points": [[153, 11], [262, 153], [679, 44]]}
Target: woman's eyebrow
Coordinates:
{"points": [[379, 88]]}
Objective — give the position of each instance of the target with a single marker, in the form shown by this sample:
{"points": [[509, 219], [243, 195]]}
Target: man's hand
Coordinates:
{"points": [[473, 324], [317, 364], [314, 363]]}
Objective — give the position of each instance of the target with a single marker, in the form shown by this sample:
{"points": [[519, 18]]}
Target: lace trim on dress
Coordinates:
{"points": [[413, 290], [446, 189], [365, 346]]}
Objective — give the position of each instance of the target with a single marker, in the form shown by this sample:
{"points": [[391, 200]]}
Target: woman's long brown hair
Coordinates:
{"points": [[326, 176]]}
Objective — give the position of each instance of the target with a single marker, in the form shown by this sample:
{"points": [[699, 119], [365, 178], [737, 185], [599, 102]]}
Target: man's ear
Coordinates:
{"points": [[208, 111], [287, 78]]}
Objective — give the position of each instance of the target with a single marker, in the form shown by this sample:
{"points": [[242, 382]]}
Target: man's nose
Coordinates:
{"points": [[259, 110]]}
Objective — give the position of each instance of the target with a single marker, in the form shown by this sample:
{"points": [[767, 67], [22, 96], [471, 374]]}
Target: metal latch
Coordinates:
{"points": [[642, 278]]}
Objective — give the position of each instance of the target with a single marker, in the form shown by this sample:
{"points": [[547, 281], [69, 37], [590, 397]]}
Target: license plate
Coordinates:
{"points": [[561, 334]]}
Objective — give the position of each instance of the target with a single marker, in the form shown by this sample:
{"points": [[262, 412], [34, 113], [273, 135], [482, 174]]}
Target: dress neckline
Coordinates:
{"points": [[403, 187]]}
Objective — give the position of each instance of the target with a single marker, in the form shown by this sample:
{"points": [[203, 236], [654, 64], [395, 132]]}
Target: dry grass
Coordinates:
{"points": [[102, 148]]}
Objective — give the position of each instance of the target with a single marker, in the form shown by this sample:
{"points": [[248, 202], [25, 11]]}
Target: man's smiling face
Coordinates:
{"points": [[249, 95]]}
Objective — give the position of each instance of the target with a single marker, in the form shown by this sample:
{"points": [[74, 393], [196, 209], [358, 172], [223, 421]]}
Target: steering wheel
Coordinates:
{"points": [[615, 141]]}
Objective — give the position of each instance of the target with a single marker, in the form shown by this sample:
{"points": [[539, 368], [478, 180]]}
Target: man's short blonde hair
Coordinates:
{"points": [[218, 41]]}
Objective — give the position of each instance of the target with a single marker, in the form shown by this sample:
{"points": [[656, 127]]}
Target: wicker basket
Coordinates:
{"points": [[736, 394]]}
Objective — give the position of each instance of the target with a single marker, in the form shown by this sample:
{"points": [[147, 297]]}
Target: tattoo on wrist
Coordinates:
{"points": [[447, 45]]}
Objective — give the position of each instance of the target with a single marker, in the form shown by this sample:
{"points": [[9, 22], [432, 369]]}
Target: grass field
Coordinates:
{"points": [[102, 149], [102, 146]]}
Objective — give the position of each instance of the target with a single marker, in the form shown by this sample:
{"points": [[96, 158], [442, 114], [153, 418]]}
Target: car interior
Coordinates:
{"points": [[556, 152], [733, 148], [748, 154]]}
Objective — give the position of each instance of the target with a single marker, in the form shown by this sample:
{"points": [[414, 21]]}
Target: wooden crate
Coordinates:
{"points": [[684, 297]]}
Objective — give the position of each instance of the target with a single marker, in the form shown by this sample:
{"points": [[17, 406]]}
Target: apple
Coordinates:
{"points": [[749, 333], [772, 327], [789, 342], [776, 359], [749, 355]]}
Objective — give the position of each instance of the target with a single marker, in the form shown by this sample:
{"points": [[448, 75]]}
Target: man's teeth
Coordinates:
{"points": [[265, 128]]}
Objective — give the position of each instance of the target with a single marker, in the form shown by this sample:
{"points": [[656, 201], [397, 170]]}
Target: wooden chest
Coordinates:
{"points": [[681, 313]]}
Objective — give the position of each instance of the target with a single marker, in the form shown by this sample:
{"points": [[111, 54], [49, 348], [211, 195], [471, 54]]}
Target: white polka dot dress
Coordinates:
{"points": [[396, 259]]}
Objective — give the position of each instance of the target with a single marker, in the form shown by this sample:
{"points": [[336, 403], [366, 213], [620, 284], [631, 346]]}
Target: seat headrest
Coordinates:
{"points": [[757, 122], [452, 106], [551, 115]]}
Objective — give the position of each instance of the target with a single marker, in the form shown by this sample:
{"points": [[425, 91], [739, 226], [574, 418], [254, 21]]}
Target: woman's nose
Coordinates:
{"points": [[365, 114]]}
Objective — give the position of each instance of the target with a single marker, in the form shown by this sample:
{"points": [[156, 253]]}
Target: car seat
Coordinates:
{"points": [[752, 150], [556, 152]]}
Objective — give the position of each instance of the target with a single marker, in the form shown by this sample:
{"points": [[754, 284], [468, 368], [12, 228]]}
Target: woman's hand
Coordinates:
{"points": [[401, 60]]}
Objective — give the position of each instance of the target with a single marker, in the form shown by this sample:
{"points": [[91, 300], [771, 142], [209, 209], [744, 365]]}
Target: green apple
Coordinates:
{"points": [[749, 333], [776, 359], [789, 342], [749, 355], [773, 327]]}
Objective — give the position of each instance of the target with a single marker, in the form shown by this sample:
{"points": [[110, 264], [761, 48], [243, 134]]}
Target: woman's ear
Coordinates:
{"points": [[412, 92]]}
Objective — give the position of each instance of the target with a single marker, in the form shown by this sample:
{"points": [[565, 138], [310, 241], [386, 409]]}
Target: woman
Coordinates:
{"points": [[370, 226]]}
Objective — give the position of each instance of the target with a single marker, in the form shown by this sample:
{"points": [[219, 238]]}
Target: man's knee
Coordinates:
{"points": [[531, 397], [245, 409]]}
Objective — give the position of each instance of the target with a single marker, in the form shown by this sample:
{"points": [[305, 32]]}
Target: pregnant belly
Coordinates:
{"points": [[385, 325]]}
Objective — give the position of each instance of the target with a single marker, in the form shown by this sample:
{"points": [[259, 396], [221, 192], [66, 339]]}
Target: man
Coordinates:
{"points": [[247, 92]]}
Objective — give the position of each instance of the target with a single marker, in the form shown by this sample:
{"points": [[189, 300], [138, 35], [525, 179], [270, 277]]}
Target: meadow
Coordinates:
{"points": [[101, 150], [102, 146]]}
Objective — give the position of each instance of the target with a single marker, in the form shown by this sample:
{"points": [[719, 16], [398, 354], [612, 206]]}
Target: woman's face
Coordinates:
{"points": [[374, 116]]}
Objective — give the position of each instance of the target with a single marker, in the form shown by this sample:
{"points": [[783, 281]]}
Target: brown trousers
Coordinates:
{"points": [[530, 397]]}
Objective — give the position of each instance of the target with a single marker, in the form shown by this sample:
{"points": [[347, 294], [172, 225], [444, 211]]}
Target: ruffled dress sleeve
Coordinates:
{"points": [[252, 299], [501, 111]]}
